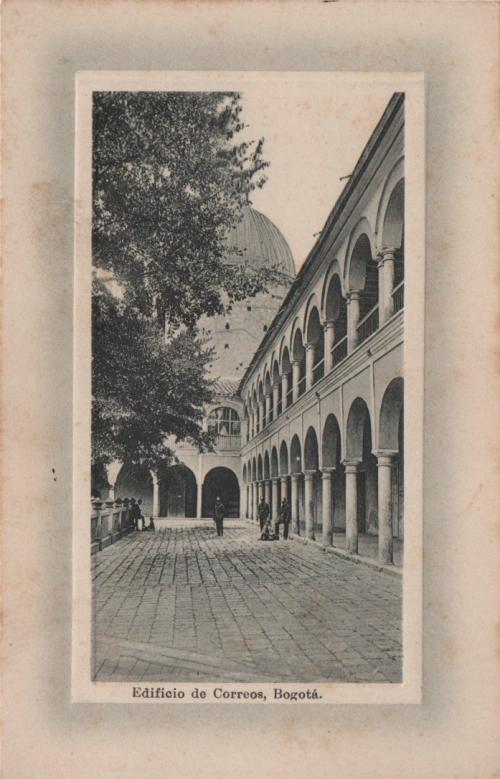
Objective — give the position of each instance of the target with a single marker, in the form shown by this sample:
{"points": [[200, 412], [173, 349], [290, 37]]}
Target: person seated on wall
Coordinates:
{"points": [[267, 534]]}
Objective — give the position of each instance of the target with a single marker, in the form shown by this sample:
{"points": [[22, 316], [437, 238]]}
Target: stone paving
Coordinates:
{"points": [[182, 604]]}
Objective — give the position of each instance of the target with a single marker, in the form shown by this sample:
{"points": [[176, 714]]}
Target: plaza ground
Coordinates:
{"points": [[182, 604]]}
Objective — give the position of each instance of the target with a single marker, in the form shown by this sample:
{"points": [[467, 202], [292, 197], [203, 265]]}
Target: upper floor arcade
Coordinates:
{"points": [[349, 289]]}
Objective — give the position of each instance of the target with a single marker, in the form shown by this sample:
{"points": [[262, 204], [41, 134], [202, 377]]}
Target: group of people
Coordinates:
{"points": [[283, 518], [267, 533], [136, 517]]}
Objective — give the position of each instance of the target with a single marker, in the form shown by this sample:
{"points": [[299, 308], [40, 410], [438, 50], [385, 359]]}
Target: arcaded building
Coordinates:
{"points": [[310, 385], [323, 394]]}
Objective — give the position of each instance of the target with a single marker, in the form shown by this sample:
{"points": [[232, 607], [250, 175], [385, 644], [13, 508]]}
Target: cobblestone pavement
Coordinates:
{"points": [[182, 604]]}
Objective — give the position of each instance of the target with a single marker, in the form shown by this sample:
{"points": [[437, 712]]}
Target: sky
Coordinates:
{"points": [[314, 134]]}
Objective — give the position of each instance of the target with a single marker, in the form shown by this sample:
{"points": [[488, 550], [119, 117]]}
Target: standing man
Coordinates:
{"points": [[283, 518], [263, 511], [219, 516]]}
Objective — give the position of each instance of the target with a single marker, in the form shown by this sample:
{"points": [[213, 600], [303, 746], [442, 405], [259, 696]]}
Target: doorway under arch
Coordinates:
{"points": [[178, 492], [221, 482]]}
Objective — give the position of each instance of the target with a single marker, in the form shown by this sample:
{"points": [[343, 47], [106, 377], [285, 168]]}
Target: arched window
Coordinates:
{"points": [[224, 423]]}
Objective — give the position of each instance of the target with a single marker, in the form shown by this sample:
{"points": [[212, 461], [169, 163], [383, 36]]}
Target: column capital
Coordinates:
{"points": [[296, 476], [284, 476], [309, 475], [386, 254], [351, 465], [275, 479], [328, 324], [385, 457], [328, 470], [355, 294], [309, 346]]}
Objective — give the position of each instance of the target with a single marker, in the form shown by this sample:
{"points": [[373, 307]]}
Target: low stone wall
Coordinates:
{"points": [[109, 521]]}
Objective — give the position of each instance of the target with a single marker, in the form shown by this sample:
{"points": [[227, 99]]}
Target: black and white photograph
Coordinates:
{"points": [[246, 499]]}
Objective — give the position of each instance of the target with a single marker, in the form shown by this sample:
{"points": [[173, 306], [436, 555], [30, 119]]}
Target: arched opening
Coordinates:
{"points": [[332, 454], [254, 470], [315, 336], [277, 385], [363, 273], [299, 356], [287, 374], [298, 520], [260, 402], [135, 481], [359, 448], [391, 438], [336, 312], [259, 468], [393, 237], [178, 491], [283, 459], [268, 395], [311, 465], [274, 463], [99, 481], [267, 469], [224, 423], [223, 483]]}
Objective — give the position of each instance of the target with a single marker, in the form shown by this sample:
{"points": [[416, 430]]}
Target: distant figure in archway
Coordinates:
{"points": [[263, 512], [219, 516], [283, 519]]}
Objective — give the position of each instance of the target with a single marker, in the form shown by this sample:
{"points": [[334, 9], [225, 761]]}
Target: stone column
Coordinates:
{"points": [[351, 505], [156, 494], [329, 330], [385, 542], [309, 502], [295, 379], [243, 501], [327, 505], [112, 471], [269, 400], [276, 390], [262, 409], [284, 391], [284, 488], [352, 320], [385, 267], [254, 500], [274, 499], [267, 492], [199, 495], [294, 507], [310, 354]]}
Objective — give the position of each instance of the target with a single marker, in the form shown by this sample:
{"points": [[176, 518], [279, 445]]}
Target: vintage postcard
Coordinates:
{"points": [[248, 387]]}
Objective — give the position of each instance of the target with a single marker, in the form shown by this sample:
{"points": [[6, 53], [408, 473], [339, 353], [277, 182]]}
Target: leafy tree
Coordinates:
{"points": [[169, 182], [144, 389], [170, 178]]}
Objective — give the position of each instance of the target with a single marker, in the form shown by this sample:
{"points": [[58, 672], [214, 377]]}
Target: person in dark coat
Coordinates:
{"points": [[283, 519], [263, 512], [134, 514], [219, 516]]}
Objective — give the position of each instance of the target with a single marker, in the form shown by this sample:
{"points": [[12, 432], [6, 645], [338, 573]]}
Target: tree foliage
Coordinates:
{"points": [[170, 178], [144, 390]]}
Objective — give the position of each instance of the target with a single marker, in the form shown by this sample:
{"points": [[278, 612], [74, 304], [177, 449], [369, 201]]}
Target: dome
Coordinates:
{"points": [[262, 244]]}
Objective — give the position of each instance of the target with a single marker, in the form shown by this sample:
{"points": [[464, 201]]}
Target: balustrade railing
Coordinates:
{"points": [[398, 296], [369, 324], [339, 351], [227, 442], [109, 521]]}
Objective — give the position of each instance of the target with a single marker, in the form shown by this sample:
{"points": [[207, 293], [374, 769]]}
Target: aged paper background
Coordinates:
{"points": [[452, 733]]}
